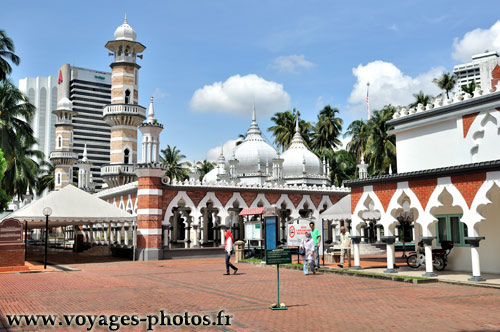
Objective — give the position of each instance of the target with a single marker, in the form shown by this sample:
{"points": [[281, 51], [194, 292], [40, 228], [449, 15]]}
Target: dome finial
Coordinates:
{"points": [[125, 19], [297, 124], [84, 158], [151, 110], [253, 113]]}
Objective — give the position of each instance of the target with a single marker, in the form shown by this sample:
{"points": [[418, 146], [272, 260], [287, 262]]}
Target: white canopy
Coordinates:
{"points": [[342, 211], [70, 206]]}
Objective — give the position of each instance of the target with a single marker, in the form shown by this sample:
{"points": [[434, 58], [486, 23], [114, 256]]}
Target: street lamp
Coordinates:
{"points": [[46, 212]]}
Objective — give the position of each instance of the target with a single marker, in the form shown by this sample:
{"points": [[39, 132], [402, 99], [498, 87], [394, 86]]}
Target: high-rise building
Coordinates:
{"points": [[479, 69], [42, 92], [89, 91]]}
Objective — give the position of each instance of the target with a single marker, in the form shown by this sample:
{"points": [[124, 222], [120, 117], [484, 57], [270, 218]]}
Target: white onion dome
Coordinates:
{"points": [[298, 158], [64, 104], [125, 32], [210, 177], [253, 153]]}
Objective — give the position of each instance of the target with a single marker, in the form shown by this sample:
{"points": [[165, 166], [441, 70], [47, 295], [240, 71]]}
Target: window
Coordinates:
{"points": [[127, 97], [449, 228], [58, 178], [126, 156], [59, 141]]}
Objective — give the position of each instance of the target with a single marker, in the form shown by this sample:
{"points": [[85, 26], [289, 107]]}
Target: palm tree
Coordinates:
{"points": [[22, 170], [446, 82], [359, 133], [45, 177], [15, 114], [470, 88], [4, 198], [171, 157], [327, 130], [381, 146], [343, 168], [204, 167], [284, 128], [6, 53], [420, 98]]}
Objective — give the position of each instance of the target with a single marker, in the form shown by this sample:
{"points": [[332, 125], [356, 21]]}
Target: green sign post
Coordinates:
{"points": [[277, 257]]}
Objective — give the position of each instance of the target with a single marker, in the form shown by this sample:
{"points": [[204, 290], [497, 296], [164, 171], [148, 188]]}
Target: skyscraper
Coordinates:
{"points": [[42, 92], [89, 91], [479, 69]]}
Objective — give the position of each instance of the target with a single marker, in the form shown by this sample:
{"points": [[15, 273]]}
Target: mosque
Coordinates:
{"points": [[193, 214]]}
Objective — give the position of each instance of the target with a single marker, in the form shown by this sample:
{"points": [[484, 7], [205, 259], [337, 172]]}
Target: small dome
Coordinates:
{"points": [[297, 155], [64, 104], [210, 177], [125, 32], [253, 150]]}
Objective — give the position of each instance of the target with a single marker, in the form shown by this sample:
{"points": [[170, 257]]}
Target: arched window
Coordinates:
{"points": [[126, 157], [127, 96], [58, 178], [59, 141]]}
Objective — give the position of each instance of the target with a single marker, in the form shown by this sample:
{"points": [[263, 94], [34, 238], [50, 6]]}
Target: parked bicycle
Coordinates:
{"points": [[439, 256]]}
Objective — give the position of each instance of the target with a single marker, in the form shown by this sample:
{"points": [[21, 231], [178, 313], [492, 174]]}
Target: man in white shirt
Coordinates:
{"points": [[345, 244]]}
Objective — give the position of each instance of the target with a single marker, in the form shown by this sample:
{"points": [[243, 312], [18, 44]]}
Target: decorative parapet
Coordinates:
{"points": [[117, 169], [458, 97]]}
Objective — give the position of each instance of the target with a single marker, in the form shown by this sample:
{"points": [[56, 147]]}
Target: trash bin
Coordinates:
{"points": [[239, 248]]}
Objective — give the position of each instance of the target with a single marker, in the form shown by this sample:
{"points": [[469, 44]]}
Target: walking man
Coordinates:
{"points": [[228, 245], [345, 245], [316, 236]]}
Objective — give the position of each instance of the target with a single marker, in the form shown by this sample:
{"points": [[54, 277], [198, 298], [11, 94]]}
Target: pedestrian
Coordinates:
{"points": [[345, 245], [316, 236], [307, 246], [228, 246]]}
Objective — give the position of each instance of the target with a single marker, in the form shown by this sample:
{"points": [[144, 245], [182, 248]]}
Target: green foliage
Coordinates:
{"points": [[327, 130], [284, 128], [381, 146], [172, 158], [4, 198], [446, 82], [6, 54], [46, 177], [469, 88], [420, 98], [204, 167]]}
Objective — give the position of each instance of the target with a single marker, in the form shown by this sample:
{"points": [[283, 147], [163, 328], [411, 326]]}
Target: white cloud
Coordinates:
{"points": [[388, 85], [159, 93], [393, 27], [477, 41], [237, 94], [344, 142], [227, 149], [319, 103], [291, 63]]}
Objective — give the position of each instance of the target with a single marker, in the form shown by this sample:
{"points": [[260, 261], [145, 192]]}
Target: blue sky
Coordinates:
{"points": [[282, 54]]}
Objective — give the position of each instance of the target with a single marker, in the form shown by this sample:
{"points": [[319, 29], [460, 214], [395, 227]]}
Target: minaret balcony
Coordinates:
{"points": [[124, 114], [118, 169], [63, 157]]}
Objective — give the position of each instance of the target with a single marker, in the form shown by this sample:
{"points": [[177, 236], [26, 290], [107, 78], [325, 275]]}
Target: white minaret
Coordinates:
{"points": [[84, 174], [151, 130]]}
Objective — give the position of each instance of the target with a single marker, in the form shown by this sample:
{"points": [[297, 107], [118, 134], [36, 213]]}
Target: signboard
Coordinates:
{"points": [[270, 232], [252, 231], [297, 229], [11, 230], [278, 256]]}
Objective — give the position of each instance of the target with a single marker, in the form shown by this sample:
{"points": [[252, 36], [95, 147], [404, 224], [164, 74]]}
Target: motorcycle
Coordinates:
{"points": [[439, 256]]}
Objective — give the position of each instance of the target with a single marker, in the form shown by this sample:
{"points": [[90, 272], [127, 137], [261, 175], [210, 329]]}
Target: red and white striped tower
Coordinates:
{"points": [[149, 204]]}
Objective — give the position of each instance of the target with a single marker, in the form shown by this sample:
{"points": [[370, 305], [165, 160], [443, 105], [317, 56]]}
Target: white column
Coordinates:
{"points": [[150, 151], [363, 234], [389, 250], [144, 157], [429, 269], [378, 234], [119, 234], [334, 233], [105, 233], [473, 241], [111, 234], [476, 269], [126, 234]]}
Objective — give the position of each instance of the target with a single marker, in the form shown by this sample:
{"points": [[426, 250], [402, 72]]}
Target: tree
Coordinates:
{"points": [[446, 82], [359, 133], [327, 130], [204, 167], [4, 198], [470, 88], [381, 146], [45, 177], [284, 128], [6, 54], [420, 98], [171, 157], [342, 165]]}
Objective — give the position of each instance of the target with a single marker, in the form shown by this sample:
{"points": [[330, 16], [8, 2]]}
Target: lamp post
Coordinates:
{"points": [[46, 212]]}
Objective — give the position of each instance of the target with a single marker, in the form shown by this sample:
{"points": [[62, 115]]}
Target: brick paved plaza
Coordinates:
{"points": [[324, 302]]}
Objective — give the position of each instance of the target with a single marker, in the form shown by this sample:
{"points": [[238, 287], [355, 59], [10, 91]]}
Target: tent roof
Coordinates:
{"points": [[70, 206], [342, 211], [252, 211]]}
